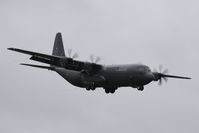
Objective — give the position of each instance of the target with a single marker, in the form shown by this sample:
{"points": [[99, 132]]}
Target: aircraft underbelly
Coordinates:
{"points": [[116, 79], [124, 79], [79, 79], [103, 79]]}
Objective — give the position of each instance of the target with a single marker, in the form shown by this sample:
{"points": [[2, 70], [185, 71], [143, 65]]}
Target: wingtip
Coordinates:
{"points": [[24, 64], [187, 77], [10, 48]]}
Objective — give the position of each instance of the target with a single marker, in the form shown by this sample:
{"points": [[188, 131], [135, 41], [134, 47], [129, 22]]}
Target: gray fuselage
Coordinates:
{"points": [[132, 75]]}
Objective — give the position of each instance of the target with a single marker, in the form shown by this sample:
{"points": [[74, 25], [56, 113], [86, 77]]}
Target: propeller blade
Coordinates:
{"points": [[165, 71], [97, 59], [69, 52], [161, 74], [75, 56], [71, 55], [92, 58], [165, 79], [160, 68], [160, 81]]}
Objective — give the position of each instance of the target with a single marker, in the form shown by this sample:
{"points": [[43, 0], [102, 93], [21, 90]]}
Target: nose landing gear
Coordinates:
{"points": [[140, 88]]}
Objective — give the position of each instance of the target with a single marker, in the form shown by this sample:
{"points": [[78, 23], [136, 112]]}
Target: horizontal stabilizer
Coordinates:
{"points": [[38, 66]]}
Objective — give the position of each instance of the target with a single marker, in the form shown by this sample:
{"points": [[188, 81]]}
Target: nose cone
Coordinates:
{"points": [[150, 76], [147, 78], [156, 76]]}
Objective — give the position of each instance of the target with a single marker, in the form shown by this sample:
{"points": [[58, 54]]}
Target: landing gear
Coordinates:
{"points": [[110, 90], [88, 88], [107, 91], [91, 87], [141, 88]]}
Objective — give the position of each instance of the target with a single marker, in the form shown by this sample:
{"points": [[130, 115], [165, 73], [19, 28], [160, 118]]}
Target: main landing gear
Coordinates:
{"points": [[140, 88], [110, 90], [91, 87]]}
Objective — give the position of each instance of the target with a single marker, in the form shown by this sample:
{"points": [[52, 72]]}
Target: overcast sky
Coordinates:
{"points": [[120, 32]]}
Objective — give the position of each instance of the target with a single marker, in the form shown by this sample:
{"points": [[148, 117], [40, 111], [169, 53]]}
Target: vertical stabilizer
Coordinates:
{"points": [[58, 48]]}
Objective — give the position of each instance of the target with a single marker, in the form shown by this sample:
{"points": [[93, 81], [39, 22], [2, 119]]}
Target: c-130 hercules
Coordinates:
{"points": [[91, 75]]}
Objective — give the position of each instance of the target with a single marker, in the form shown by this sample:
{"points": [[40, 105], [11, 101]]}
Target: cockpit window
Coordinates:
{"points": [[147, 69], [144, 69]]}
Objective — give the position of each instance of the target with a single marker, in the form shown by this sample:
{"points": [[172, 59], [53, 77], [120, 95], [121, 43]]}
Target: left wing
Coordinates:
{"points": [[33, 53], [60, 61], [44, 58]]}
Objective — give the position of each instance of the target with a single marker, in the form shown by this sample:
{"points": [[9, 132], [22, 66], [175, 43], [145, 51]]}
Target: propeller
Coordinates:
{"points": [[163, 75], [160, 75], [71, 54], [94, 59]]}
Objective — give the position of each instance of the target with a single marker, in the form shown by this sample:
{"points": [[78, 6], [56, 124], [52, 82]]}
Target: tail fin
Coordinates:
{"points": [[58, 48]]}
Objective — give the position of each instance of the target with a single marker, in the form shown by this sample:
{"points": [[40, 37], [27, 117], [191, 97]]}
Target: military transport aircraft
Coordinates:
{"points": [[91, 75]]}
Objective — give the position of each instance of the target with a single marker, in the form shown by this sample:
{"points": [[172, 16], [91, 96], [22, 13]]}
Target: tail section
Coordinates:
{"points": [[58, 48]]}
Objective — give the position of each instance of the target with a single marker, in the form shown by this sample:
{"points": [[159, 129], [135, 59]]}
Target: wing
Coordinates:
{"points": [[60, 61], [173, 76], [32, 53], [44, 58]]}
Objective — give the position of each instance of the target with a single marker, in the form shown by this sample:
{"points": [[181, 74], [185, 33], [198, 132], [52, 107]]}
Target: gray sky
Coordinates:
{"points": [[152, 32]]}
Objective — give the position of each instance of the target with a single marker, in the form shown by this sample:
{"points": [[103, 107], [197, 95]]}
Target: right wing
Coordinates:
{"points": [[173, 76]]}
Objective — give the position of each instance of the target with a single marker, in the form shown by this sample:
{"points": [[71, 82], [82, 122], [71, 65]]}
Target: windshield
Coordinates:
{"points": [[144, 69]]}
